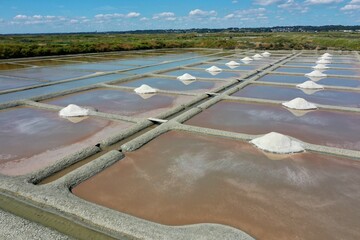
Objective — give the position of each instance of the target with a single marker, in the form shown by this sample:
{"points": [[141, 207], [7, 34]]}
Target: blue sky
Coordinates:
{"points": [[40, 16]]}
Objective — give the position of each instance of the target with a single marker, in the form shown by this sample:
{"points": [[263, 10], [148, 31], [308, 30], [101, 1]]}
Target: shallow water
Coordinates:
{"points": [[328, 97], [32, 139], [181, 179], [11, 83], [172, 85], [330, 81], [329, 128], [204, 74], [119, 102]]}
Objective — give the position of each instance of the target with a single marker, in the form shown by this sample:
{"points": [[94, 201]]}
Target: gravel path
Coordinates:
{"points": [[15, 228]]}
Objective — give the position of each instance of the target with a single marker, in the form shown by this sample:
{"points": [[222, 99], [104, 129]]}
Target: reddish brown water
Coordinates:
{"points": [[181, 179], [121, 102], [327, 97], [10, 83], [32, 139], [330, 128]]}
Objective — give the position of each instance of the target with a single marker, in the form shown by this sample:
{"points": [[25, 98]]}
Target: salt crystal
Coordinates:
{"points": [[257, 56], [316, 73], [266, 54], [310, 85], [145, 89], [214, 69], [299, 104], [246, 59], [320, 66], [186, 76], [232, 63], [323, 61], [277, 143], [73, 110]]}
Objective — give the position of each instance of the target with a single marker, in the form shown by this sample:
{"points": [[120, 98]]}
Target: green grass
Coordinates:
{"points": [[14, 46]]}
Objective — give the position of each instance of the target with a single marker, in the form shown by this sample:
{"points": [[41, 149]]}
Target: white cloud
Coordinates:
{"points": [[169, 16], [200, 13], [20, 17], [132, 15], [248, 14], [266, 2], [317, 2], [352, 6], [234, 1], [292, 5]]}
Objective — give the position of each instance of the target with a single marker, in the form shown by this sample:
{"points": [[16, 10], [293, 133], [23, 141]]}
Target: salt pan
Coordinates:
{"points": [[145, 89], [320, 66], [186, 76], [316, 73], [277, 143], [299, 104], [232, 63], [266, 54], [310, 85], [73, 110], [214, 69]]}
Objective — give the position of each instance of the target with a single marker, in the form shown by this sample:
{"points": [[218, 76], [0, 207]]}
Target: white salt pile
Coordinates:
{"points": [[324, 58], [277, 143], [310, 85], [186, 77], [214, 69], [320, 66], [326, 55], [257, 57], [266, 54], [145, 89], [323, 61], [299, 104], [315, 73], [73, 110], [232, 63], [246, 59]]}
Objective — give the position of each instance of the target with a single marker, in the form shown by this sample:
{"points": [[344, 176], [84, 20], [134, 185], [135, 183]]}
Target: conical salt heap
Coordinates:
{"points": [[266, 54], [277, 143], [299, 104], [320, 66], [246, 59], [145, 89], [310, 85], [323, 61], [186, 77], [315, 73], [327, 55], [73, 110], [257, 57], [214, 69], [232, 63]]}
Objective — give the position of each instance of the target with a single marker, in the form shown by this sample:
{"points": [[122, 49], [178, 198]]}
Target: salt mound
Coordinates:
{"points": [[266, 54], [277, 143], [246, 59], [257, 56], [145, 89], [186, 76], [327, 55], [316, 73], [310, 85], [73, 110], [214, 69], [323, 61], [320, 66], [299, 104], [325, 58], [232, 63]]}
